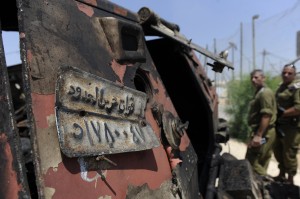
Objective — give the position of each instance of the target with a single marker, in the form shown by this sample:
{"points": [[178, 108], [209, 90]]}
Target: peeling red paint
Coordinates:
{"points": [[185, 142], [43, 106], [119, 10], [92, 2], [8, 174], [160, 95], [88, 10], [119, 70], [154, 179], [173, 161], [62, 177], [29, 56], [135, 168], [150, 119]]}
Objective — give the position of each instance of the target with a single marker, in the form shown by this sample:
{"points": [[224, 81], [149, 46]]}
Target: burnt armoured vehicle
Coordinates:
{"points": [[97, 110]]}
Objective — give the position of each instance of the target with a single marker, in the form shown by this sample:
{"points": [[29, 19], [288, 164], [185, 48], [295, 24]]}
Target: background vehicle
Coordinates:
{"points": [[97, 111]]}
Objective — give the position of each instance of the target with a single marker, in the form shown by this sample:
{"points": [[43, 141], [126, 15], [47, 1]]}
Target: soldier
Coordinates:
{"points": [[288, 124], [261, 119]]}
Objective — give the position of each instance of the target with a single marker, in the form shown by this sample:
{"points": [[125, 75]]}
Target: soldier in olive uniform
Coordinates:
{"points": [[261, 119], [288, 124]]}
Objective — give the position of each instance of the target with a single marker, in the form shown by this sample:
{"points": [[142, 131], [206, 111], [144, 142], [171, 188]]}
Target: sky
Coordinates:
{"points": [[212, 23]]}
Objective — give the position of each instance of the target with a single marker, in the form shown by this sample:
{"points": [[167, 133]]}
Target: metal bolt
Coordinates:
{"points": [[155, 109], [102, 157], [143, 123]]}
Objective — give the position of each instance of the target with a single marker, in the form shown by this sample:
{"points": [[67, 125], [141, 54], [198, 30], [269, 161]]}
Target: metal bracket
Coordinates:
{"points": [[173, 128], [160, 27]]}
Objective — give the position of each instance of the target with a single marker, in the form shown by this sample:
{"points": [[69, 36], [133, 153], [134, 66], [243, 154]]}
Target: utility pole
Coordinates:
{"points": [[205, 59], [241, 51], [253, 39], [264, 53], [233, 47], [215, 51], [298, 44]]}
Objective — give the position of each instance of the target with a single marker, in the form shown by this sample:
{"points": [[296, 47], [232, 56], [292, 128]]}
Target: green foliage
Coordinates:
{"points": [[240, 93], [273, 82]]}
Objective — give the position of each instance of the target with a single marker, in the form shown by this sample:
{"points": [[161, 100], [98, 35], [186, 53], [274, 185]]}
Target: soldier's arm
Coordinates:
{"points": [[264, 123], [294, 110], [290, 112]]}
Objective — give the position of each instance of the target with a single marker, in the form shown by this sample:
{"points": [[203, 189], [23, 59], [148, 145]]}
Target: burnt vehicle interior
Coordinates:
{"points": [[182, 85], [9, 22], [191, 106]]}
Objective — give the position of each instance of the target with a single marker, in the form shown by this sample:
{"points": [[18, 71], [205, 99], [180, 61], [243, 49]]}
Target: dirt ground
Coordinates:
{"points": [[238, 149]]}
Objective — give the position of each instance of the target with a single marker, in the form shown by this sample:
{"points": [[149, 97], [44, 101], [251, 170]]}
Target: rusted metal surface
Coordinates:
{"points": [[109, 7], [13, 181], [129, 45], [198, 107], [187, 173], [79, 40], [95, 116], [121, 122], [145, 192], [106, 43]]}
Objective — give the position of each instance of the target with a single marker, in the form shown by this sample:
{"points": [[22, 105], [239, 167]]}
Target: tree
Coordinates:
{"points": [[240, 93]]}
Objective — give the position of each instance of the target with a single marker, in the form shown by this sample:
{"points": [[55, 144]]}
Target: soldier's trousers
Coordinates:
{"points": [[259, 157], [286, 149]]}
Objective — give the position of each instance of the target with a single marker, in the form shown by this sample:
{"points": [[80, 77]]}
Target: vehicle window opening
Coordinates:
{"points": [[129, 40], [127, 43], [19, 103], [142, 84]]}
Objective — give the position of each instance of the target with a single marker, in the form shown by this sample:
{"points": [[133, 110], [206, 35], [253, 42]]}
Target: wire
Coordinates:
{"points": [[290, 10]]}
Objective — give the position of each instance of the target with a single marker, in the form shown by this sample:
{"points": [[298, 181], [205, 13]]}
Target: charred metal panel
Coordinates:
{"points": [[144, 192], [187, 173], [13, 181], [197, 107], [60, 33], [237, 179], [95, 116], [68, 33], [125, 39]]}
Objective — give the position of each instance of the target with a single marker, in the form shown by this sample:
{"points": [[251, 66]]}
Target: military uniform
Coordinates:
{"points": [[263, 103], [286, 148]]}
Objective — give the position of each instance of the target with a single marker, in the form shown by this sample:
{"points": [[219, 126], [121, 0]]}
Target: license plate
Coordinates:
{"points": [[95, 116]]}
